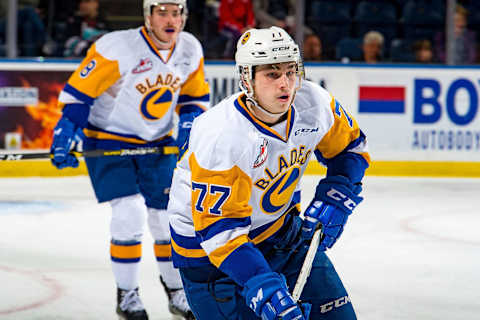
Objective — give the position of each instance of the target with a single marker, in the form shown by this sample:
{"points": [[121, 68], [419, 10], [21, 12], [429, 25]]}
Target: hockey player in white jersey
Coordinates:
{"points": [[124, 95], [236, 232]]}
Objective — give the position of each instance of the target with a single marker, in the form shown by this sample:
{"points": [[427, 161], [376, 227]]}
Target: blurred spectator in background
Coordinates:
{"points": [[31, 29], [84, 28], [57, 10], [465, 50], [280, 13], [423, 52], [372, 47], [235, 17], [197, 17], [55, 15], [312, 48]]}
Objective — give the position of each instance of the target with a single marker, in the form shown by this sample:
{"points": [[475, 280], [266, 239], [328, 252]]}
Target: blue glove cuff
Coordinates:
{"points": [[65, 127], [185, 120], [77, 113], [282, 301], [184, 126], [259, 289]]}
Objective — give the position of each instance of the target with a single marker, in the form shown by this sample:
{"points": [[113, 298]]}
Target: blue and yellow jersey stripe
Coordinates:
{"points": [[218, 255], [189, 252]]}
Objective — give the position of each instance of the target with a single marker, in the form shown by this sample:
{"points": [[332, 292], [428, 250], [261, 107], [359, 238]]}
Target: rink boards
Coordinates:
{"points": [[420, 120], [43, 168]]}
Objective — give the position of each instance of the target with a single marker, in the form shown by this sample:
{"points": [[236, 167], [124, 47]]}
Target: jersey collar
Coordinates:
{"points": [[151, 45], [263, 128]]}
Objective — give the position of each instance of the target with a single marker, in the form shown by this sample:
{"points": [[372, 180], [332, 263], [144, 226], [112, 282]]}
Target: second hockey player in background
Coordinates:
{"points": [[124, 95]]}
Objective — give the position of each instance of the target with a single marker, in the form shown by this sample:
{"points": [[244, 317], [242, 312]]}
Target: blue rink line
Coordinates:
{"points": [[30, 207]]}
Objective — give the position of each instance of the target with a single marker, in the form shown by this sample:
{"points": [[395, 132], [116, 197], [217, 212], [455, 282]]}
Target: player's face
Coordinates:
{"points": [[166, 22], [275, 85]]}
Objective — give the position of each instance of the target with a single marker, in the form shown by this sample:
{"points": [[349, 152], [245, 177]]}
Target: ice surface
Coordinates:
{"points": [[411, 250]]}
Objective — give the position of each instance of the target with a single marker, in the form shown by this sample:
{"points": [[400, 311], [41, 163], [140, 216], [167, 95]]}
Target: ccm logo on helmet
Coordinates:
{"points": [[280, 48]]}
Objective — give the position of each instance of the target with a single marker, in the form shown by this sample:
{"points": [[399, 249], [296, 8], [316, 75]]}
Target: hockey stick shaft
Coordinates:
{"points": [[307, 265], [92, 153]]}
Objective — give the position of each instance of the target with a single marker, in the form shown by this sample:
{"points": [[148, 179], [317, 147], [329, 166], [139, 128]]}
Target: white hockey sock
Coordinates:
{"points": [[159, 227], [126, 274], [169, 274]]}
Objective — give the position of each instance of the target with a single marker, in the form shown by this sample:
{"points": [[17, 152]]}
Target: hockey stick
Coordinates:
{"points": [[307, 265], [92, 153]]}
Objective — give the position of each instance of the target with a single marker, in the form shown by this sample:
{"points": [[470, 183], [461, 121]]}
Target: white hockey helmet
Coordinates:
{"points": [[264, 46], [148, 4]]}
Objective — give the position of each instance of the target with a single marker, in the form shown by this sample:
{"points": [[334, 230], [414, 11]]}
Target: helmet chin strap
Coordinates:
{"points": [[265, 111]]}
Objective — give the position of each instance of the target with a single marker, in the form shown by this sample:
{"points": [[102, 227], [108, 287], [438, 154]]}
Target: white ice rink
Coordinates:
{"points": [[411, 250]]}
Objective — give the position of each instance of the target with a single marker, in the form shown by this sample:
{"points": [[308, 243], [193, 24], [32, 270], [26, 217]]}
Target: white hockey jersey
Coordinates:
{"points": [[239, 177], [133, 90]]}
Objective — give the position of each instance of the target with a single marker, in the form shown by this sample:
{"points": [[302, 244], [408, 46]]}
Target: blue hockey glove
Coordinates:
{"points": [[267, 295], [335, 199], [65, 135], [184, 127]]}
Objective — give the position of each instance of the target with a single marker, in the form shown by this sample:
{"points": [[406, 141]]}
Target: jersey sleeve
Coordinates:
{"points": [[220, 193], [194, 92], [94, 75], [343, 149]]}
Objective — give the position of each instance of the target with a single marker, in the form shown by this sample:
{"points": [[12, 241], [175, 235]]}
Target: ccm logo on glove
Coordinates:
{"points": [[338, 196], [256, 299]]}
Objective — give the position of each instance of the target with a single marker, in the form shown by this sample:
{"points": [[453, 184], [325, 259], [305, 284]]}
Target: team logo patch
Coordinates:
{"points": [[278, 194], [245, 38], [262, 157], [144, 65], [156, 103]]}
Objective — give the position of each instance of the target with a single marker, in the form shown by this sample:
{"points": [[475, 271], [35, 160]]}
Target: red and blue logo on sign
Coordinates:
{"points": [[376, 99]]}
